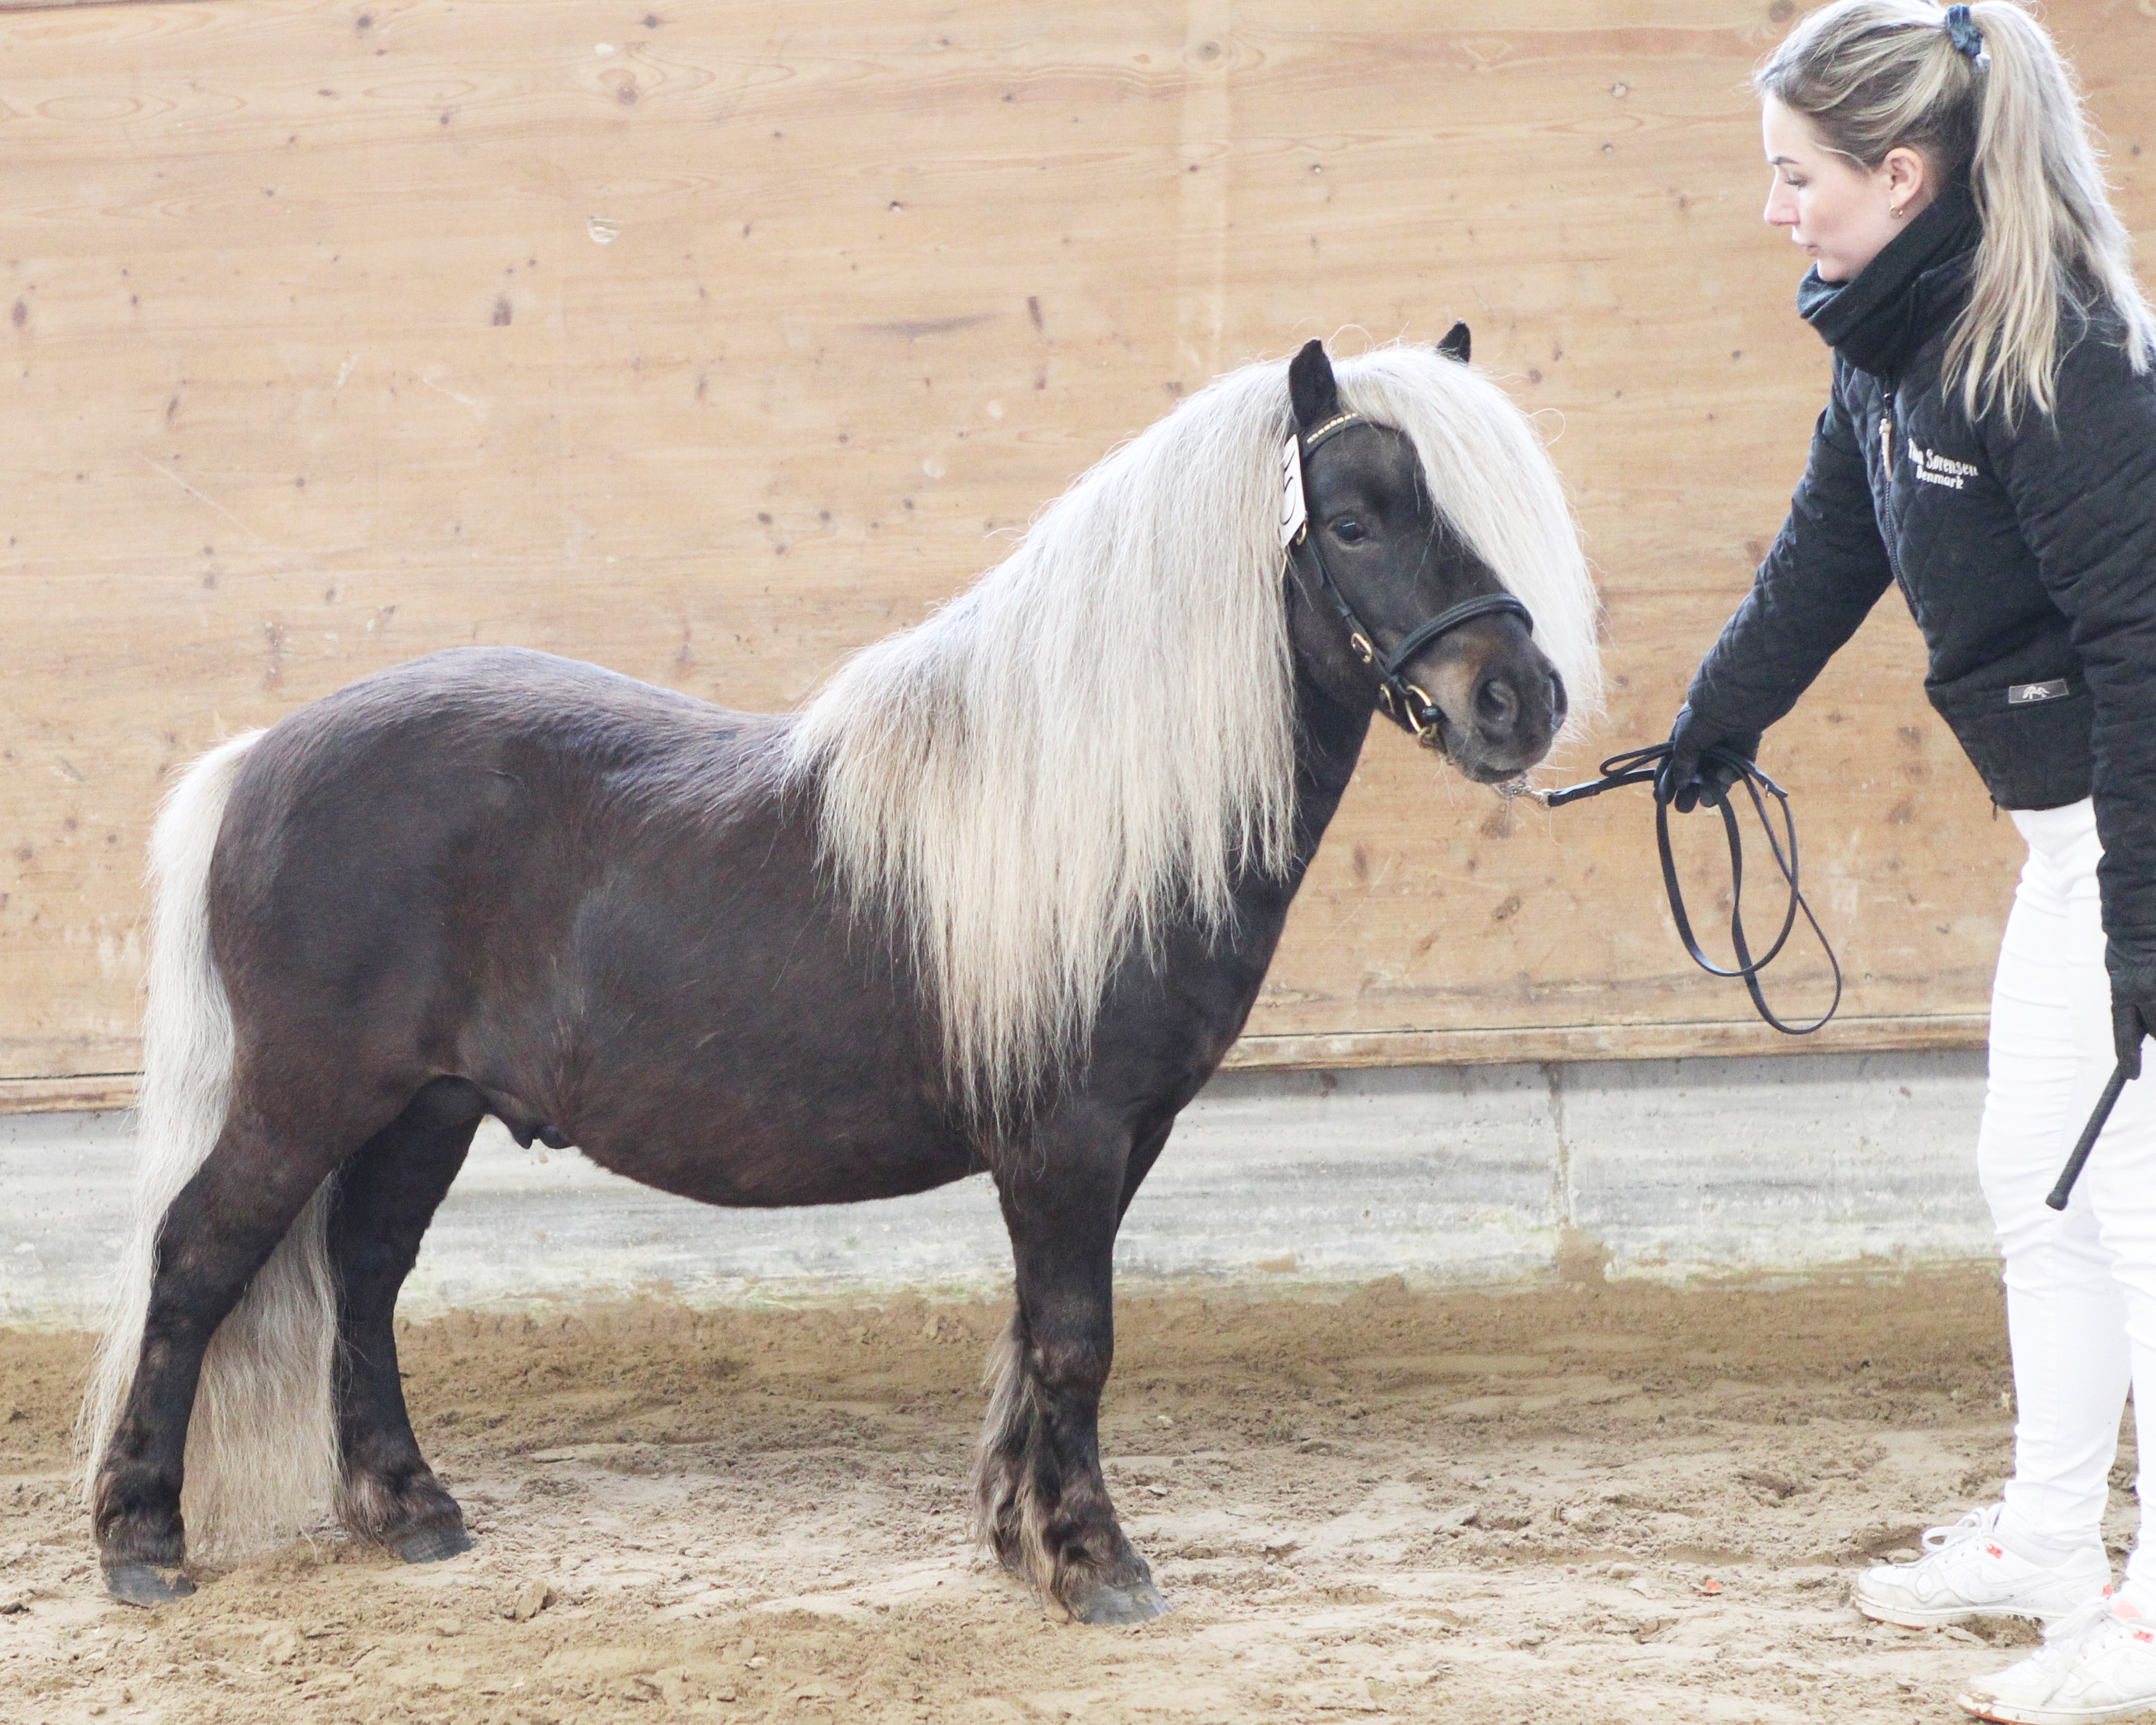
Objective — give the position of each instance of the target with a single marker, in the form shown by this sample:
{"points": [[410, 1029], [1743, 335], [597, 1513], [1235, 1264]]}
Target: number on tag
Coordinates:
{"points": [[1293, 512]]}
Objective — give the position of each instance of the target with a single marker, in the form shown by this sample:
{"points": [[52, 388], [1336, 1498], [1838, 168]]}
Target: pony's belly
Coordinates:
{"points": [[761, 1171]]}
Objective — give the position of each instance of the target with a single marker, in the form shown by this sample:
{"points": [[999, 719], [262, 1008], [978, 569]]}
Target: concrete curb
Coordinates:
{"points": [[1480, 1175]]}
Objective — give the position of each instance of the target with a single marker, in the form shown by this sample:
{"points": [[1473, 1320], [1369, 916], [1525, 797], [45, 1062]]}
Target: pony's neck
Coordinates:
{"points": [[1329, 740]]}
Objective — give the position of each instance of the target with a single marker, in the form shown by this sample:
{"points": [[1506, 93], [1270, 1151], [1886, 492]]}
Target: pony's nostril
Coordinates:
{"points": [[1560, 702], [1496, 704]]}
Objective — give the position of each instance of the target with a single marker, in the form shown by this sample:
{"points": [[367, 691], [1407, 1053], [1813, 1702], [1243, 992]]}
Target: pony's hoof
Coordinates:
{"points": [[143, 1584], [1140, 1602], [433, 1542]]}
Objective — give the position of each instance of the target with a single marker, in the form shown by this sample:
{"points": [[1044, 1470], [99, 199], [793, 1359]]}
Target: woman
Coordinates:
{"points": [[1989, 445]]}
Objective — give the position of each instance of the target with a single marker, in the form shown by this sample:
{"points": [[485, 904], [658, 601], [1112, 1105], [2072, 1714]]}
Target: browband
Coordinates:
{"points": [[1331, 428]]}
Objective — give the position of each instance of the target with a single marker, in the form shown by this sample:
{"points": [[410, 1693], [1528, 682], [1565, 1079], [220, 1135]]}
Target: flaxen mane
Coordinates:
{"points": [[1100, 734]]}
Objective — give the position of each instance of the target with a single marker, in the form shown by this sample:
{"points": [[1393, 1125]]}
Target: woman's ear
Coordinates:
{"points": [[1908, 181]]}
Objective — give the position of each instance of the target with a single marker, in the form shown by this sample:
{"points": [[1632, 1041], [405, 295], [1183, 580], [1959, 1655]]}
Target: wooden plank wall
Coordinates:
{"points": [[707, 341]]}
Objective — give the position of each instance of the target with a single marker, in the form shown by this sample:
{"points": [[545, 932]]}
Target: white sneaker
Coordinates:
{"points": [[1967, 1573], [2098, 1663]]}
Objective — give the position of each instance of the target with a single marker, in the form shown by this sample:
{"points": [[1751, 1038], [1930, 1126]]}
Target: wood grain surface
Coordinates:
{"points": [[709, 342]]}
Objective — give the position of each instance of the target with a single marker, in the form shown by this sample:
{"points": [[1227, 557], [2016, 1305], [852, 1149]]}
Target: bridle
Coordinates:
{"points": [[1407, 702]]}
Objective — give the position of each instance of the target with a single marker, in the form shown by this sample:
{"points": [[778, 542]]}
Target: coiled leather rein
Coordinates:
{"points": [[1643, 766]]}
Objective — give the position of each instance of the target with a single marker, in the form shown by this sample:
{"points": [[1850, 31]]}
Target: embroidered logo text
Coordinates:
{"points": [[1934, 468]]}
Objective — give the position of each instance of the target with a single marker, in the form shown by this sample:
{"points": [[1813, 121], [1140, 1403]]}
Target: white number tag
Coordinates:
{"points": [[1293, 512]]}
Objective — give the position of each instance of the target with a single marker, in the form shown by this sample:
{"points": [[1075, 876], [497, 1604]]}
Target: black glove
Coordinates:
{"points": [[2130, 1021], [1688, 779]]}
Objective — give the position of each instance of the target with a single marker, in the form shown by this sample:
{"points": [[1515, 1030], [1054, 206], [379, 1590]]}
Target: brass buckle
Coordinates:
{"points": [[1425, 718], [1363, 650]]}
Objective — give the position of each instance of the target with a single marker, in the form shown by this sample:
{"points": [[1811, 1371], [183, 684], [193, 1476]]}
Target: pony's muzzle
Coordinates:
{"points": [[1495, 712]]}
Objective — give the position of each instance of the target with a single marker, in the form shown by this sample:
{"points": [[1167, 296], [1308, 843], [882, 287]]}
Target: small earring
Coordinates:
{"points": [[1895, 211]]}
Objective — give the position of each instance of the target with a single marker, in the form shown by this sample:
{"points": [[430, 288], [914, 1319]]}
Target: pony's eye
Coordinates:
{"points": [[1347, 532]]}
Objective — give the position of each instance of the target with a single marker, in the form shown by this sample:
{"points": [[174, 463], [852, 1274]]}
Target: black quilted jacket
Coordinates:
{"points": [[2027, 553]]}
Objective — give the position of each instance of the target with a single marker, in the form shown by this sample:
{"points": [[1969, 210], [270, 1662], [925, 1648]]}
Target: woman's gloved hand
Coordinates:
{"points": [[1688, 779], [2130, 1021]]}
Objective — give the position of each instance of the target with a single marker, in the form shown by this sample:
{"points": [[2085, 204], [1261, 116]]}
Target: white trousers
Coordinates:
{"points": [[2081, 1286]]}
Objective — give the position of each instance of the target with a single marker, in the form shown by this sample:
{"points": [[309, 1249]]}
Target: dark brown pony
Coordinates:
{"points": [[997, 900]]}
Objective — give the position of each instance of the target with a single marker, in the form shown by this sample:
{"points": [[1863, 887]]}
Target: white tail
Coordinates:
{"points": [[262, 1459]]}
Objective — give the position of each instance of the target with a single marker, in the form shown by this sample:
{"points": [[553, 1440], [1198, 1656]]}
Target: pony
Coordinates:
{"points": [[997, 899]]}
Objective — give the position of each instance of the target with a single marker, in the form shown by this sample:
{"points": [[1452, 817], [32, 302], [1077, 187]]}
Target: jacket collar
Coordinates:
{"points": [[1905, 295]]}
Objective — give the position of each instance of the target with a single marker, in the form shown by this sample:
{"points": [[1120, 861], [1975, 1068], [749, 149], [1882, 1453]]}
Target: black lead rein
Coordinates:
{"points": [[1643, 766]]}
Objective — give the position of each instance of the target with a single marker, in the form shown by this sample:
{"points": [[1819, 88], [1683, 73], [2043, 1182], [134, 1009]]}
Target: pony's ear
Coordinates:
{"points": [[1311, 386], [1456, 343]]}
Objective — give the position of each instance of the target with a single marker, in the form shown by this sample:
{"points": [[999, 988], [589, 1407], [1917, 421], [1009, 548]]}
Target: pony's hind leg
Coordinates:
{"points": [[1039, 1495], [261, 1382], [387, 1197]]}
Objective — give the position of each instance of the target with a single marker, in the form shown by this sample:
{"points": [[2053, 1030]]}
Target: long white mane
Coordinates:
{"points": [[1101, 734]]}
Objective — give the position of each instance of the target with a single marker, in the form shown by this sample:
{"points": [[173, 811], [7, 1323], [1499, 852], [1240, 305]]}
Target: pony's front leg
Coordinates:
{"points": [[1039, 1495]]}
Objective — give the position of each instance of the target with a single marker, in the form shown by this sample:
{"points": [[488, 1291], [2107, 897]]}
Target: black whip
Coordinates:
{"points": [[2104, 1104], [1643, 766]]}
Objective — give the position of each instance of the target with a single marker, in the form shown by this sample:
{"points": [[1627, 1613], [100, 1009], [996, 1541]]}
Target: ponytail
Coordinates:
{"points": [[1876, 76], [2050, 237]]}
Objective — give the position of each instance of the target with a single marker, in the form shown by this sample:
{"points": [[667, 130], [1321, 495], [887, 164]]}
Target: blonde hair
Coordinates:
{"points": [[1876, 75], [1098, 737]]}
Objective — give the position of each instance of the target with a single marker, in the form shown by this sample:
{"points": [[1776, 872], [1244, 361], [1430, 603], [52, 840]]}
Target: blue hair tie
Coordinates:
{"points": [[1967, 39]]}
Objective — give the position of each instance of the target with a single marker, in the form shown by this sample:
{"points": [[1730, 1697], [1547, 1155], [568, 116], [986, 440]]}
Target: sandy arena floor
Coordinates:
{"points": [[1601, 1503]]}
